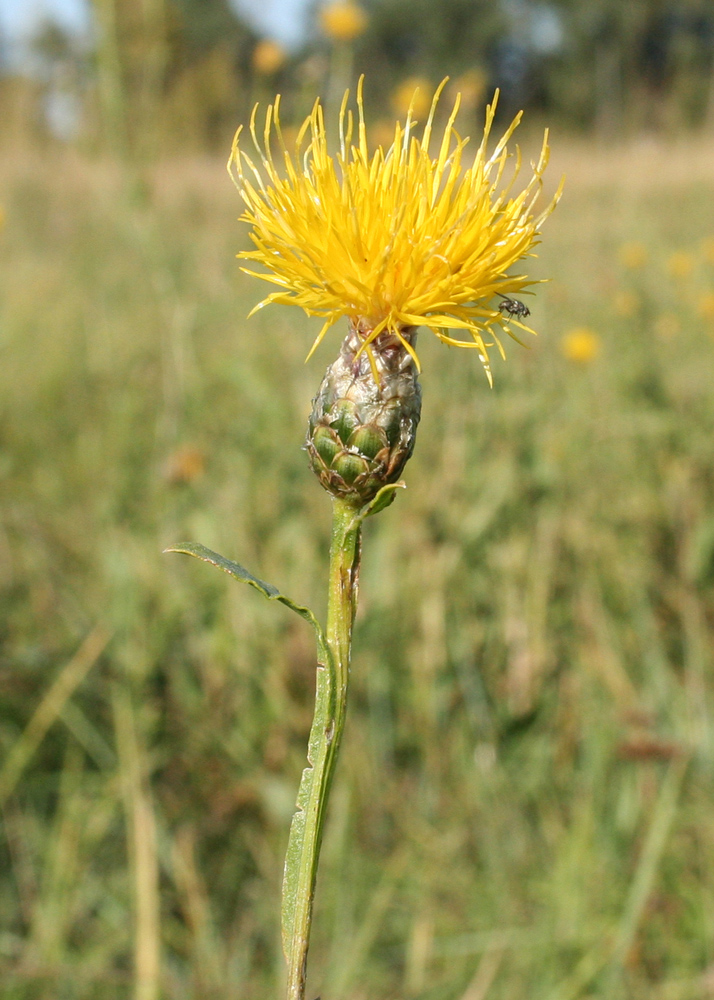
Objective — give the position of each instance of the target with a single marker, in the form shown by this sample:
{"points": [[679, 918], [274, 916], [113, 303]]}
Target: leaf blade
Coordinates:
{"points": [[244, 575]]}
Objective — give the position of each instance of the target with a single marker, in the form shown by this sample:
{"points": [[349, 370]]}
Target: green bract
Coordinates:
{"points": [[364, 418]]}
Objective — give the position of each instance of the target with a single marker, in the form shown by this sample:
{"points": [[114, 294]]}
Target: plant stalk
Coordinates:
{"points": [[325, 735]]}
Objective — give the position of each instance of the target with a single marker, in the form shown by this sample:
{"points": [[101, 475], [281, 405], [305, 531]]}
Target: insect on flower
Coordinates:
{"points": [[514, 307]]}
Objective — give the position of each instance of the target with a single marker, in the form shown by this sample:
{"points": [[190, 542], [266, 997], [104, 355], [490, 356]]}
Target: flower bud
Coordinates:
{"points": [[362, 428]]}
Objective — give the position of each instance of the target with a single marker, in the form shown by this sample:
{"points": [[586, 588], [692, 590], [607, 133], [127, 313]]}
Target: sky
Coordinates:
{"points": [[18, 18], [280, 19]]}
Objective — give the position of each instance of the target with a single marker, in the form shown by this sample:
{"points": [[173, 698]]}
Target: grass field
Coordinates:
{"points": [[523, 809]]}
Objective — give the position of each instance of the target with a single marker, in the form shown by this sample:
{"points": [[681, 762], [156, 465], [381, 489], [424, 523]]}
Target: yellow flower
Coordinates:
{"points": [[580, 345], [472, 86], [268, 57], [706, 305], [393, 240], [342, 22], [416, 94], [680, 264], [633, 255]]}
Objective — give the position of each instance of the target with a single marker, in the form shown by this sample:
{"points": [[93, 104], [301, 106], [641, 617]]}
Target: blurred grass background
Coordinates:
{"points": [[523, 804]]}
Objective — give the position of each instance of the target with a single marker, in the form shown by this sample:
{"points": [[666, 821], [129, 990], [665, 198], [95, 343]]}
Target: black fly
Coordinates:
{"points": [[513, 307]]}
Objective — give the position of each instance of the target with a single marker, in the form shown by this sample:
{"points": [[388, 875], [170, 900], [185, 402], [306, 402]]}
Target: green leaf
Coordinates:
{"points": [[306, 827], [383, 499], [311, 799], [240, 573]]}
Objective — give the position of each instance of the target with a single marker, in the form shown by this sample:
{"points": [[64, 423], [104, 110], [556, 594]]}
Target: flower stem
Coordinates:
{"points": [[325, 737]]}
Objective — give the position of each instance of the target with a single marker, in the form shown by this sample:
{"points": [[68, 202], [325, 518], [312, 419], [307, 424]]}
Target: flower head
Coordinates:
{"points": [[393, 240], [343, 21], [680, 264], [268, 57], [414, 95], [471, 85], [580, 345]]}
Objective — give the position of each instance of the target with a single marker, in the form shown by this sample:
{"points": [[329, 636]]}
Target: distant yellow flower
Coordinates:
{"points": [[667, 326], [680, 264], [392, 240], [580, 345], [343, 22], [633, 255], [705, 306], [268, 57], [416, 93], [626, 303], [472, 86]]}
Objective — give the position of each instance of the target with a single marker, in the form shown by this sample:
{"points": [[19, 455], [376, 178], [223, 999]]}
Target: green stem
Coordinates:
{"points": [[325, 738]]}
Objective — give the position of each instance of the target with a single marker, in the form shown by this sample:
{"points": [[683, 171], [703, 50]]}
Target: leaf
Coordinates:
{"points": [[311, 800], [383, 499], [240, 573], [305, 829]]}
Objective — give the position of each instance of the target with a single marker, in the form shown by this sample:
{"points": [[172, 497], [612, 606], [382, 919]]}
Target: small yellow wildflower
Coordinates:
{"points": [[667, 326], [472, 87], [343, 21], [633, 255], [680, 264], [394, 240], [268, 57], [416, 94], [626, 303], [580, 345], [705, 306]]}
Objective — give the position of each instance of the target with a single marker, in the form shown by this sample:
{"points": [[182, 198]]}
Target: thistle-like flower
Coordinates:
{"points": [[392, 240]]}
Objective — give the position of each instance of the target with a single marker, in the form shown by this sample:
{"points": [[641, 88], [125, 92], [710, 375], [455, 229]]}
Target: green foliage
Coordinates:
{"points": [[202, 25], [167, 74], [523, 802], [420, 37]]}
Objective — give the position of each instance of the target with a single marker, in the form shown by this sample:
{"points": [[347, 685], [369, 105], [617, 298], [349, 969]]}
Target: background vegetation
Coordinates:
{"points": [[523, 805], [160, 75]]}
